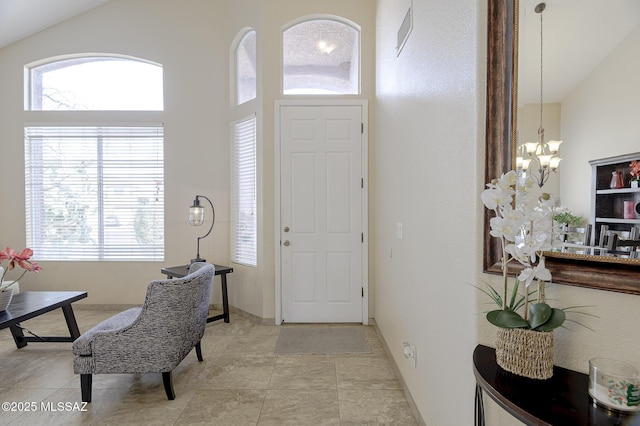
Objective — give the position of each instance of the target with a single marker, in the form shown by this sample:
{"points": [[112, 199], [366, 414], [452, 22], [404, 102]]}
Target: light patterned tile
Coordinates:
{"points": [[374, 407], [238, 373], [304, 372], [223, 407], [299, 408], [365, 373], [240, 382]]}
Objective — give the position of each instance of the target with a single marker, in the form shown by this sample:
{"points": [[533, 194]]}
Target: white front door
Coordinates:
{"points": [[321, 213]]}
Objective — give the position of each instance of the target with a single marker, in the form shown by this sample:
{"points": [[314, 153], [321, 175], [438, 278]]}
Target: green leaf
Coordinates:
{"points": [[491, 292], [539, 314], [556, 320], [506, 318], [514, 294]]}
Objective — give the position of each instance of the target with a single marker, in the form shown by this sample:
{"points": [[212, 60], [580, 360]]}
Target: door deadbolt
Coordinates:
{"points": [[286, 229], [286, 243]]}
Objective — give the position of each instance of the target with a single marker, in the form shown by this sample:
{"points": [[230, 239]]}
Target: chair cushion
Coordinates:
{"points": [[82, 345]]}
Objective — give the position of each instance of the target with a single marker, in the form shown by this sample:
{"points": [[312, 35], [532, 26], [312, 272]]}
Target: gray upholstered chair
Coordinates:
{"points": [[153, 338]]}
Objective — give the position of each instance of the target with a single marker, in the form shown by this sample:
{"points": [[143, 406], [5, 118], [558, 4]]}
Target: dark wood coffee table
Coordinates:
{"points": [[31, 304]]}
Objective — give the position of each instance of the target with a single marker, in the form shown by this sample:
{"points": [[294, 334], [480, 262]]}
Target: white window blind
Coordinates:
{"points": [[95, 193], [243, 192]]}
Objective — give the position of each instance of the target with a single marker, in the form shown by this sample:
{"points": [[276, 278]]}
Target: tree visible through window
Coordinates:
{"points": [[321, 57], [95, 193], [96, 83]]}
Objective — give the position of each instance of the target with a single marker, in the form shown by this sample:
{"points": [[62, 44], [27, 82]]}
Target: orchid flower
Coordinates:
{"points": [[538, 272], [21, 259]]}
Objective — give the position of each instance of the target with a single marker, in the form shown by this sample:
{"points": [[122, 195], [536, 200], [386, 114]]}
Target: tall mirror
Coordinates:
{"points": [[591, 94]]}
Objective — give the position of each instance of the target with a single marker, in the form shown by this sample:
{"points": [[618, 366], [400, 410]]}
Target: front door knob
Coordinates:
{"points": [[286, 243]]}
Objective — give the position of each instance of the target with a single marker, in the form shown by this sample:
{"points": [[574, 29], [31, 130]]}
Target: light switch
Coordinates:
{"points": [[399, 230]]}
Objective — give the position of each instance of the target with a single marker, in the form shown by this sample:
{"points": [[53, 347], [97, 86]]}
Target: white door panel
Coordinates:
{"points": [[321, 205]]}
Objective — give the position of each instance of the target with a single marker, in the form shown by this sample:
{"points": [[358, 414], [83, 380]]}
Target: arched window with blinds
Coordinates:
{"points": [[94, 190]]}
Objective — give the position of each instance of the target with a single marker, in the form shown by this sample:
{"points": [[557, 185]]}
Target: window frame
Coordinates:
{"points": [[240, 255], [101, 170], [322, 17], [235, 71], [91, 118], [35, 70]]}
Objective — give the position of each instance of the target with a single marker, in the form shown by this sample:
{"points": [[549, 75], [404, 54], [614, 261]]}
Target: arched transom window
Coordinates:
{"points": [[321, 57], [96, 83], [246, 68]]}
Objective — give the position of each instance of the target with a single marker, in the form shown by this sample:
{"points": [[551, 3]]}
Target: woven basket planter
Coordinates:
{"points": [[525, 352]]}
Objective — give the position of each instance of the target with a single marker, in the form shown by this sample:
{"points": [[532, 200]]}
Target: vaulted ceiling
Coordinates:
{"points": [[21, 18], [570, 26]]}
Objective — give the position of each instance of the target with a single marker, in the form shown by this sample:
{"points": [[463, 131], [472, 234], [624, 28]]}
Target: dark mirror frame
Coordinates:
{"points": [[502, 54]]}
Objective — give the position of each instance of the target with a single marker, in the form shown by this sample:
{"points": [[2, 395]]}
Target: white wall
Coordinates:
{"points": [[191, 39], [429, 127], [254, 288], [184, 38], [249, 284], [600, 119]]}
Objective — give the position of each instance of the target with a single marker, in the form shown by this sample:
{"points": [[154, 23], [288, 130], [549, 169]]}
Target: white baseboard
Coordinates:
{"points": [[405, 389]]}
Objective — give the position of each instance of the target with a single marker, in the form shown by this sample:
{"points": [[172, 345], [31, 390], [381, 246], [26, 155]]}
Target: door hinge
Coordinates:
{"points": [[362, 183], [362, 291], [362, 237], [362, 128]]}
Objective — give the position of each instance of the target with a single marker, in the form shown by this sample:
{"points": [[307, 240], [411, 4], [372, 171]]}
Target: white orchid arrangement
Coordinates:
{"points": [[525, 231]]}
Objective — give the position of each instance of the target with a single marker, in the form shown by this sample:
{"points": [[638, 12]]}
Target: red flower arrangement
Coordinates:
{"points": [[20, 259], [635, 170]]}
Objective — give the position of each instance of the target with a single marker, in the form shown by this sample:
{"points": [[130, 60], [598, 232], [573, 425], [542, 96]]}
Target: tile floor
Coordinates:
{"points": [[241, 382]]}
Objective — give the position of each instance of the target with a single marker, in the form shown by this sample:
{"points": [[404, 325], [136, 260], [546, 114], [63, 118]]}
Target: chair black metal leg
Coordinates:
{"points": [[85, 387], [168, 385], [199, 351]]}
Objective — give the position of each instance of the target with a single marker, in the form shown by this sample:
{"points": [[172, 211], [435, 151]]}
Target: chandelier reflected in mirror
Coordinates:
{"points": [[539, 158]]}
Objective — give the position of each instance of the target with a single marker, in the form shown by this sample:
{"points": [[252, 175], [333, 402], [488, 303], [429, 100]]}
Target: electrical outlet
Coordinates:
{"points": [[410, 353]]}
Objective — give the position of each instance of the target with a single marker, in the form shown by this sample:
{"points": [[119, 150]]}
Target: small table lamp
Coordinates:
{"points": [[196, 218]]}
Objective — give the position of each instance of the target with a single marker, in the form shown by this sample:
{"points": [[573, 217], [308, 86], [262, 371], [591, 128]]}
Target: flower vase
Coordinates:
{"points": [[525, 353], [5, 298], [634, 184], [616, 180]]}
